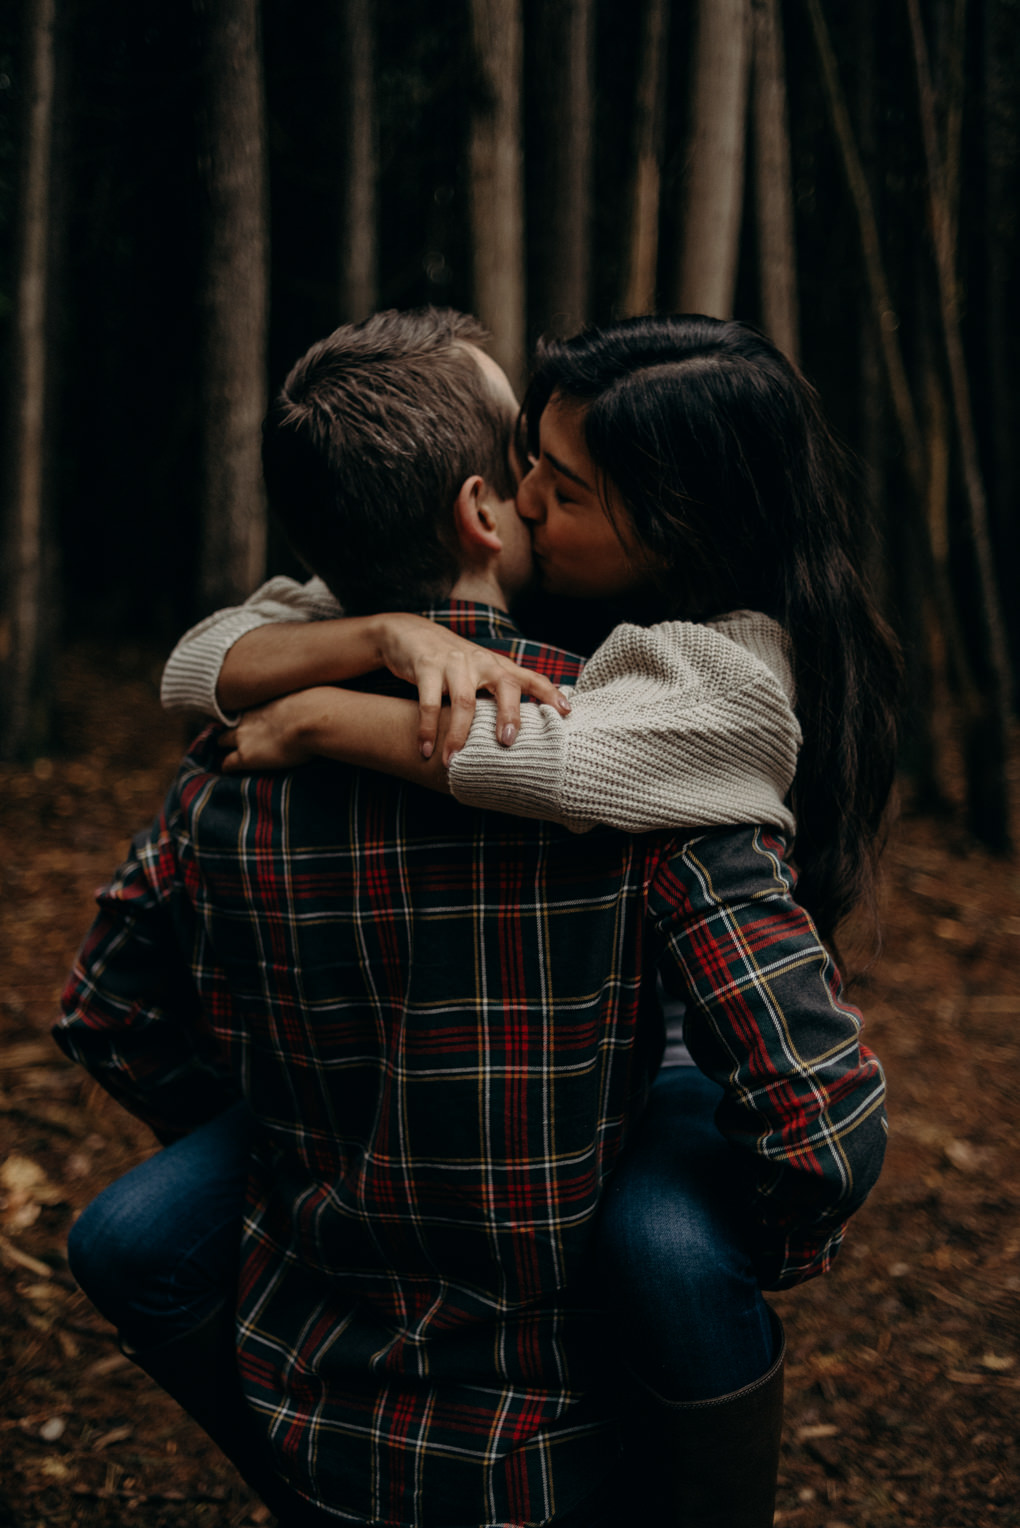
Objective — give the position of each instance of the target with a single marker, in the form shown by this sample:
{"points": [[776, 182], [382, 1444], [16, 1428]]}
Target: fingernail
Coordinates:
{"points": [[508, 734], [564, 706], [426, 750]]}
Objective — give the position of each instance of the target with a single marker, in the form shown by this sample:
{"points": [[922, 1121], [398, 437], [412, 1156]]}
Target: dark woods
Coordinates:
{"points": [[191, 195]]}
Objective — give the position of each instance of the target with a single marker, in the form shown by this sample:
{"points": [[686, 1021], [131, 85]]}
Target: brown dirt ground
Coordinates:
{"points": [[904, 1375]]}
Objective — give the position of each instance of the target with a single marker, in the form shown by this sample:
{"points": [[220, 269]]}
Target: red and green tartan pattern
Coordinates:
{"points": [[435, 1015]]}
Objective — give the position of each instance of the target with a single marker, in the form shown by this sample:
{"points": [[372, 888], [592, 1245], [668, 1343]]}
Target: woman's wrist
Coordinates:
{"points": [[314, 718]]}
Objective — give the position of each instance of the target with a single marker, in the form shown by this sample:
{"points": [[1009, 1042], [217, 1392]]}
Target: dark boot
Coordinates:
{"points": [[199, 1370], [705, 1464]]}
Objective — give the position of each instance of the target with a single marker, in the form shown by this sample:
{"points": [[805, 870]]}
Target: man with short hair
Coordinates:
{"points": [[435, 1014]]}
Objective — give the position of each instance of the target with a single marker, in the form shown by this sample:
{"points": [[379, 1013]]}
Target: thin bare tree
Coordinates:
{"points": [[28, 602], [777, 254], [713, 199], [1000, 258], [988, 794], [232, 384], [358, 255], [566, 49], [883, 309], [496, 178], [641, 259]]}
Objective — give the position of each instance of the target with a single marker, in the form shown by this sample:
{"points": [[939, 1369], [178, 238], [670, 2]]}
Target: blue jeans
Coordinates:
{"points": [[157, 1251], [690, 1317]]}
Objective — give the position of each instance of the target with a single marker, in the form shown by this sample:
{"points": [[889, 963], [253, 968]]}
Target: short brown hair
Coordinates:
{"points": [[365, 449]]}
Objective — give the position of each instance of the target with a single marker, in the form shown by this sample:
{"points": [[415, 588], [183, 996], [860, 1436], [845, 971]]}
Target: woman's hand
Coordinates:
{"points": [[371, 731], [274, 736], [438, 663]]}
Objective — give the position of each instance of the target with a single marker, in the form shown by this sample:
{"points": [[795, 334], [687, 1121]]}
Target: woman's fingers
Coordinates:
{"points": [[230, 763], [463, 696], [459, 675], [430, 702], [508, 709], [545, 692]]}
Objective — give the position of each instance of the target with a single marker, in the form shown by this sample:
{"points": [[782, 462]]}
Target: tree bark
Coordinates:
{"points": [[358, 255], [232, 384], [713, 200], [988, 794], [777, 252], [496, 179], [29, 600], [933, 588], [1000, 241], [642, 257], [871, 248], [566, 47]]}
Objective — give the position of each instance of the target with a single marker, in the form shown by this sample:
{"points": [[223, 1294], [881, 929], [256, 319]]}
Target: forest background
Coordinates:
{"points": [[189, 196]]}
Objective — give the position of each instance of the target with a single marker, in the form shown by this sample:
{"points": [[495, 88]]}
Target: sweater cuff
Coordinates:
{"points": [[193, 668], [525, 779]]}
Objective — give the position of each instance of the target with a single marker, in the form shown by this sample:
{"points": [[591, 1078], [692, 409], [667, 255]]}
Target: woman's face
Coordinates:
{"points": [[578, 550]]}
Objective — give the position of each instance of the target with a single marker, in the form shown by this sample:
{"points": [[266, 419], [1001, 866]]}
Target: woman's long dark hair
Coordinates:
{"points": [[717, 448]]}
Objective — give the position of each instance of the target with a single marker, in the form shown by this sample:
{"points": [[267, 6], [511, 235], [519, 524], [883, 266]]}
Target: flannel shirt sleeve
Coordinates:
{"points": [[130, 1010], [804, 1099]]}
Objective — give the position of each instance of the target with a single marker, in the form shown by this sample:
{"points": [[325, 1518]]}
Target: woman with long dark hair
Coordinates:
{"points": [[724, 490], [680, 469]]}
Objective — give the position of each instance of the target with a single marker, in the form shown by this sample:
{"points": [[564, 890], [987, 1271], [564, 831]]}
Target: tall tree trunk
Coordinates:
{"points": [[714, 195], [873, 407], [1000, 238], [496, 178], [987, 744], [874, 267], [918, 547], [29, 601], [777, 252], [358, 279], [235, 302], [642, 256], [566, 47]]}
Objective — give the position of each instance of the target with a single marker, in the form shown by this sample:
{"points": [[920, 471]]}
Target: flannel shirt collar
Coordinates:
{"points": [[469, 618]]}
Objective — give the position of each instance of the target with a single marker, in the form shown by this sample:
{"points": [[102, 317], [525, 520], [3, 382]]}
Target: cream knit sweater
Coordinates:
{"points": [[678, 725]]}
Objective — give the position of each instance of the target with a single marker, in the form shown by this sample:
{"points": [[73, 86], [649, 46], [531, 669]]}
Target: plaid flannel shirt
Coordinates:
{"points": [[438, 1018]]}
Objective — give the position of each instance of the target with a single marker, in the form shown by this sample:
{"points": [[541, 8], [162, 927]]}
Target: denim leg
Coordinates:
{"points": [[692, 1322], [157, 1251]]}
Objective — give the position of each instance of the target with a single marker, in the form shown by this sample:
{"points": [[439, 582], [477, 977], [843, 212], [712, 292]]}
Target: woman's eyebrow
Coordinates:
{"points": [[573, 476]]}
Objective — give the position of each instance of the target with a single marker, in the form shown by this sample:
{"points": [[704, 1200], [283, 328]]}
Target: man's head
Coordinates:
{"points": [[384, 437]]}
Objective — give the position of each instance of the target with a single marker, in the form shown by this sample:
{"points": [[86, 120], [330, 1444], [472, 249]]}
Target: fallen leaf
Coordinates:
{"points": [[107, 1365], [998, 1362], [817, 1430], [115, 1435], [9, 1253], [963, 1156], [949, 928], [26, 1188]]}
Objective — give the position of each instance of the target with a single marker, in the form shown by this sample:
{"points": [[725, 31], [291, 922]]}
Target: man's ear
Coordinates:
{"points": [[474, 521]]}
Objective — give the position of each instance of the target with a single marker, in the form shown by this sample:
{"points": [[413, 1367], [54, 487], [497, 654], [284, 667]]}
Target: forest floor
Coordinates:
{"points": [[903, 1387]]}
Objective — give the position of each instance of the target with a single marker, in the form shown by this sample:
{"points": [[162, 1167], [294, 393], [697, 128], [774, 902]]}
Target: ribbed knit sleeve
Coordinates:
{"points": [[676, 725], [193, 668]]}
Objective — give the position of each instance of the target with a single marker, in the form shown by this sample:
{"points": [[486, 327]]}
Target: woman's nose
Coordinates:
{"points": [[529, 500]]}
